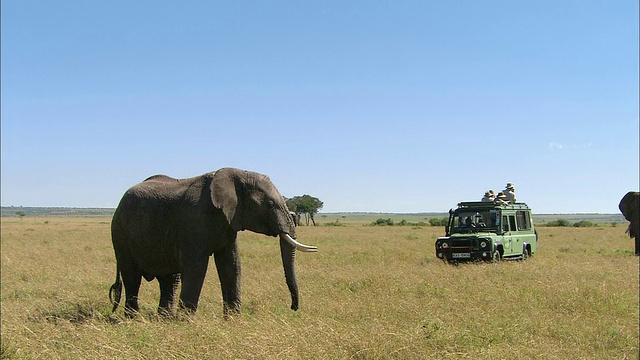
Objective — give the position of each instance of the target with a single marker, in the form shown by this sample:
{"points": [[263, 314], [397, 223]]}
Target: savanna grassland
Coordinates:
{"points": [[370, 293]]}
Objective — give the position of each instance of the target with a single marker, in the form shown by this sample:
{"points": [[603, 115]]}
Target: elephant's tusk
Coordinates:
{"points": [[299, 246]]}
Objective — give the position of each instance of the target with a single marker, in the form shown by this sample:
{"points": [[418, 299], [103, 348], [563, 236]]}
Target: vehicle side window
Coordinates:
{"points": [[512, 222], [505, 224], [522, 219]]}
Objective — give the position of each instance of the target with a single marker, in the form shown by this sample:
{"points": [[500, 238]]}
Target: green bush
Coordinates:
{"points": [[584, 223], [403, 222], [438, 222], [384, 222], [335, 223], [559, 223]]}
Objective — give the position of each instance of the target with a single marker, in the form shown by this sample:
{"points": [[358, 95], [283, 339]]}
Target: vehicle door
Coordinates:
{"points": [[510, 239], [525, 228]]}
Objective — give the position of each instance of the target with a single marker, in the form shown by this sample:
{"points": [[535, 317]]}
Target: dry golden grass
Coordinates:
{"points": [[370, 293]]}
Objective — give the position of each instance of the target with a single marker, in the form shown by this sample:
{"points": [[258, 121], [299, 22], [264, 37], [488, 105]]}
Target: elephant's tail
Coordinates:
{"points": [[115, 292]]}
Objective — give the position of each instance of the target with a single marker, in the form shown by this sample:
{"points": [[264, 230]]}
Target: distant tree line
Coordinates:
{"points": [[390, 222], [443, 222], [20, 211], [567, 223]]}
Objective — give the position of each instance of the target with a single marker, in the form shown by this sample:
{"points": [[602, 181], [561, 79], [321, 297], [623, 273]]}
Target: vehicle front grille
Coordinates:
{"points": [[461, 243]]}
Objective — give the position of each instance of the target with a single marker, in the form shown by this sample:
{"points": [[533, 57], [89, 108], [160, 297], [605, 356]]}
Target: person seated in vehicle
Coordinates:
{"points": [[488, 196], [468, 223], [501, 199]]}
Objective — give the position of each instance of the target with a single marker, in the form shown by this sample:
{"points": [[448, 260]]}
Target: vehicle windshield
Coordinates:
{"points": [[471, 221]]}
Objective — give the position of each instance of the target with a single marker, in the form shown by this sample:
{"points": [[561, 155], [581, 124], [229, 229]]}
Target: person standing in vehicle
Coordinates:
{"points": [[510, 193]]}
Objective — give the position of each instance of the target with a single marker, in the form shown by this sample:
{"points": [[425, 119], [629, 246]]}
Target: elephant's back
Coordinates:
{"points": [[160, 177], [161, 189]]}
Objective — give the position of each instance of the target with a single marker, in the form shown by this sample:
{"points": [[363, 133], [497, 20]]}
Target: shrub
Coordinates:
{"points": [[384, 222], [559, 223], [335, 223], [403, 222], [584, 223], [438, 222]]}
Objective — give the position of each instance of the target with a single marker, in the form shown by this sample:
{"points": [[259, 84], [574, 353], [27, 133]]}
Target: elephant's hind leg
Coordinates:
{"points": [[168, 286], [131, 280]]}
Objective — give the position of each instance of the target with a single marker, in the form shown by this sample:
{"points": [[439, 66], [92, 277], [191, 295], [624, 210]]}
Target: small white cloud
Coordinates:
{"points": [[555, 146]]}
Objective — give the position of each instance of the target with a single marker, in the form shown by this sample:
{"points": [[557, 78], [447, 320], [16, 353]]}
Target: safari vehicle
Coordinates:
{"points": [[488, 231]]}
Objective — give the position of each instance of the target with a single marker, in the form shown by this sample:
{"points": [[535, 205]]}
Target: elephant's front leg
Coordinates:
{"points": [[228, 266], [193, 273]]}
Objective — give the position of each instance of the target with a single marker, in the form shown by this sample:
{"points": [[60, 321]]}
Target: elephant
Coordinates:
{"points": [[167, 229], [296, 218], [630, 207]]}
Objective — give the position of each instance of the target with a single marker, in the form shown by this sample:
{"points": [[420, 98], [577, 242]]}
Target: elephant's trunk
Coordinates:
{"points": [[288, 247], [288, 252]]}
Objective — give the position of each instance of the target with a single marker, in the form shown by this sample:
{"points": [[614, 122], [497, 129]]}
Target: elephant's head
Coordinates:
{"points": [[250, 201], [630, 208]]}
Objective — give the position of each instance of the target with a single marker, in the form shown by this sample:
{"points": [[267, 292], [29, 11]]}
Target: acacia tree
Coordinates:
{"points": [[307, 205]]}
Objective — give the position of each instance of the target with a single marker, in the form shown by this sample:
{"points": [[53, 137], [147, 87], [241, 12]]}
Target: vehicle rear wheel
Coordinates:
{"points": [[525, 253]]}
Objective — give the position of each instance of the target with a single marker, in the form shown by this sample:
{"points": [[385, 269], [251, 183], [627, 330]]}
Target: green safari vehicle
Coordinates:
{"points": [[488, 231]]}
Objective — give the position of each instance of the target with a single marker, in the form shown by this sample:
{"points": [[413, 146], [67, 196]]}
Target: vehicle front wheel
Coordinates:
{"points": [[496, 256], [525, 254]]}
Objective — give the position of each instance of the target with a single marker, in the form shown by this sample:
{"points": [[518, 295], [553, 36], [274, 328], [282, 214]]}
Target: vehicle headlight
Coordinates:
{"points": [[483, 244], [444, 245]]}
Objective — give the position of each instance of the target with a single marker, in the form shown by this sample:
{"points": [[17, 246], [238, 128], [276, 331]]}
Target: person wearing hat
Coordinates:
{"points": [[501, 198], [488, 196], [510, 193]]}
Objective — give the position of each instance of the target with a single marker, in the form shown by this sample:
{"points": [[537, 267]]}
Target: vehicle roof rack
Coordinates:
{"points": [[491, 205]]}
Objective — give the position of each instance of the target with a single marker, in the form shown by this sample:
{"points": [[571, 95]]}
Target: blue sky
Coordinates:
{"points": [[377, 106]]}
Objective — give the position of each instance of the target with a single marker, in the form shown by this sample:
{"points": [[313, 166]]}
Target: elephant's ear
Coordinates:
{"points": [[225, 196]]}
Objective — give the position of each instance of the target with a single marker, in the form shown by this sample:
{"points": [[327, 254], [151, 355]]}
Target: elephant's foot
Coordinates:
{"points": [[129, 312], [231, 309], [165, 312], [131, 307], [188, 307]]}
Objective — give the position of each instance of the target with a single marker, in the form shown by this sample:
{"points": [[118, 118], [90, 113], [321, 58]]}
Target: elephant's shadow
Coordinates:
{"points": [[80, 313], [76, 313]]}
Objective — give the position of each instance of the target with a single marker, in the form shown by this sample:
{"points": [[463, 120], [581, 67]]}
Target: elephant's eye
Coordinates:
{"points": [[271, 203]]}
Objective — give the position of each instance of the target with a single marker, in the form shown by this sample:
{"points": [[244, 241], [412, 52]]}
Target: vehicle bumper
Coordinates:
{"points": [[463, 255]]}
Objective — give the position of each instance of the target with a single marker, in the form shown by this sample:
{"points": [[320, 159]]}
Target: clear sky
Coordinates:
{"points": [[376, 106]]}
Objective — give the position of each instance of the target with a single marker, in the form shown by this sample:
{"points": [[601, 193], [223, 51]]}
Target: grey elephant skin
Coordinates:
{"points": [[167, 229], [630, 207]]}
